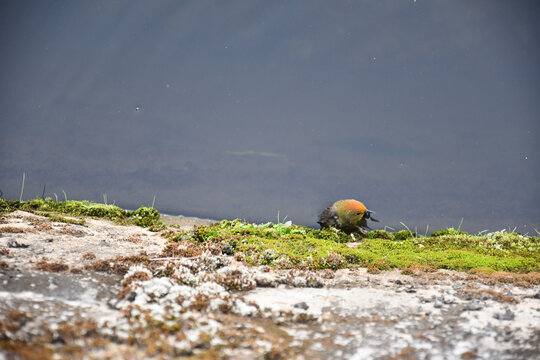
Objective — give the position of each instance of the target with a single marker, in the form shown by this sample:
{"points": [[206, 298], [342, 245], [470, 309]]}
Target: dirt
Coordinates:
{"points": [[54, 303]]}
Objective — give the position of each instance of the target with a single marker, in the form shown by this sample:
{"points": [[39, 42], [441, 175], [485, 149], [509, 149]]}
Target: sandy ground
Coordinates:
{"points": [[56, 276]]}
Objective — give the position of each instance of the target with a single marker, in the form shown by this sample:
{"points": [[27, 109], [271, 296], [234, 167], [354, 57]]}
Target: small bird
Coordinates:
{"points": [[349, 216]]}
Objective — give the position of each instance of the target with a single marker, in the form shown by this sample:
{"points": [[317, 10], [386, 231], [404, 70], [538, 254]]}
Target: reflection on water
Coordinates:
{"points": [[425, 111]]}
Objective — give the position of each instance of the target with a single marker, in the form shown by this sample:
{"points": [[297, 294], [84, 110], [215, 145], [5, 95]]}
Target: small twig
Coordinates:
{"points": [[173, 258], [43, 194]]}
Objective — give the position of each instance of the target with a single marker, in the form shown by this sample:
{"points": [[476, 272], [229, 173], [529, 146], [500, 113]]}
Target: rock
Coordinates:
{"points": [[485, 297], [15, 245], [189, 313], [57, 338], [507, 315], [265, 279], [301, 305], [227, 249], [473, 306], [314, 282], [241, 326], [131, 296], [410, 289], [446, 301]]}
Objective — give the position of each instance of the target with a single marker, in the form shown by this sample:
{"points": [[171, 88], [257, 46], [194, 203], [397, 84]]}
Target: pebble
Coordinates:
{"points": [[301, 305], [15, 245], [507, 315], [410, 289], [485, 297], [473, 306], [131, 296], [446, 301]]}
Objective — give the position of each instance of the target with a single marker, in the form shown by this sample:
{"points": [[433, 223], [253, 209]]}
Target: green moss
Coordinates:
{"points": [[285, 245], [58, 218], [403, 235], [203, 233], [304, 248], [449, 231], [144, 216], [379, 234]]}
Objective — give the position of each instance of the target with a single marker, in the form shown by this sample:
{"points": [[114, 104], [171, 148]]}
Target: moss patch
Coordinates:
{"points": [[143, 216], [286, 246], [291, 246]]}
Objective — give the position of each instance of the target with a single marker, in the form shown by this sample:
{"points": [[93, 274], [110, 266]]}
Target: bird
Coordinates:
{"points": [[349, 216]]}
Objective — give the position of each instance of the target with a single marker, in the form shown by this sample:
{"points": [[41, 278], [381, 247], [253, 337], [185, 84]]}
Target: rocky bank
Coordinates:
{"points": [[99, 290]]}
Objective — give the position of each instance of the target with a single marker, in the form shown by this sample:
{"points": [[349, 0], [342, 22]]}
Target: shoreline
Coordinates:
{"points": [[91, 288]]}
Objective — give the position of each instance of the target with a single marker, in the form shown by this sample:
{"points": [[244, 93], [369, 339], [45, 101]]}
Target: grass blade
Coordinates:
{"points": [[22, 187], [460, 223]]}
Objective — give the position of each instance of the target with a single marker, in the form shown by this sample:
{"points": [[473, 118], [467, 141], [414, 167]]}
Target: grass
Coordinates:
{"points": [[22, 186], [280, 226]]}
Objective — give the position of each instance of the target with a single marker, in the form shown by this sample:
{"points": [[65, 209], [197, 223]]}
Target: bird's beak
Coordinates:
{"points": [[369, 212]]}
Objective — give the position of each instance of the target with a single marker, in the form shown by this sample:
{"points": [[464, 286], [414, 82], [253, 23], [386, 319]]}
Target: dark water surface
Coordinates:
{"points": [[427, 111]]}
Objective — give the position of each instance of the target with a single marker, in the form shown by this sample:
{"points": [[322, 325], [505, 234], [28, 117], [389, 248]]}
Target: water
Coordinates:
{"points": [[425, 111]]}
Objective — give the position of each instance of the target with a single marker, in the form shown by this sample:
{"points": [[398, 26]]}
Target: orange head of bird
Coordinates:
{"points": [[350, 211]]}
